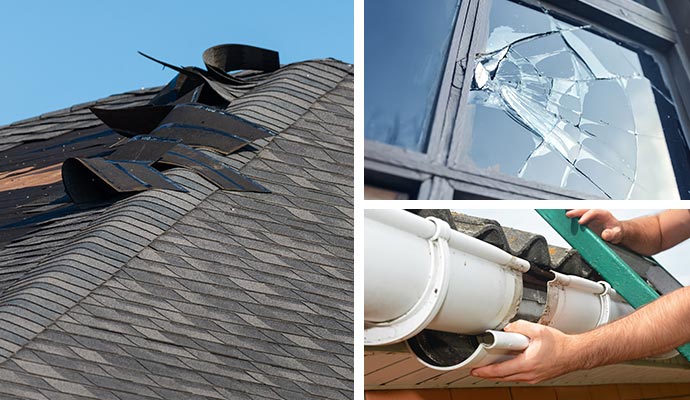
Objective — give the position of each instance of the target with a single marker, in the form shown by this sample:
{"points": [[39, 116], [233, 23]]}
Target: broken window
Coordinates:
{"points": [[561, 104], [405, 49]]}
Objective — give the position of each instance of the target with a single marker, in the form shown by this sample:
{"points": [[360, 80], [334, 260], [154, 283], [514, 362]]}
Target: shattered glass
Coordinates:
{"points": [[562, 105]]}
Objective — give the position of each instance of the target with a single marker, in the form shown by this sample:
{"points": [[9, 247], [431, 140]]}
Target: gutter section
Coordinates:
{"points": [[420, 274], [576, 304], [447, 295]]}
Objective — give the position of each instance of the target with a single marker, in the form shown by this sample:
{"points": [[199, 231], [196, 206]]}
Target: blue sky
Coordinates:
{"points": [[54, 54]]}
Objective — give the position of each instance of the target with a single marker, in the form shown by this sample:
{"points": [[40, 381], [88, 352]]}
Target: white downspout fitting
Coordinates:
{"points": [[494, 347], [420, 274]]}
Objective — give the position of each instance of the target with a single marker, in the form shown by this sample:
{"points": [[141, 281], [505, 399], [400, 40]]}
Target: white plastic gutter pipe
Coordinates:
{"points": [[419, 274], [576, 304]]}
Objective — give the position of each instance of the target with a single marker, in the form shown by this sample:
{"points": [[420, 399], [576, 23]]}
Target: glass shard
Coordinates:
{"points": [[562, 105]]}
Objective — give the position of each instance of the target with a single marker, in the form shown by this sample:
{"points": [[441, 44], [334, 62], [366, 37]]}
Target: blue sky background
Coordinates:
{"points": [[54, 54]]}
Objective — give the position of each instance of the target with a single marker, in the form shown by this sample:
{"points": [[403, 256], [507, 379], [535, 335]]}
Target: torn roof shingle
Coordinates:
{"points": [[205, 294], [78, 132]]}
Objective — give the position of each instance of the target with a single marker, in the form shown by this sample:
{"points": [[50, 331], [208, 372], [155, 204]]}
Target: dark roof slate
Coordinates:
{"points": [[206, 294]]}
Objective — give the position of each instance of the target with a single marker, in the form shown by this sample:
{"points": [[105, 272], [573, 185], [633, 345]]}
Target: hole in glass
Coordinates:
{"points": [[559, 104]]}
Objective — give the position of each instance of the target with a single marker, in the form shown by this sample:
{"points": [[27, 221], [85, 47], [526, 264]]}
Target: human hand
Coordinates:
{"points": [[602, 222], [550, 354]]}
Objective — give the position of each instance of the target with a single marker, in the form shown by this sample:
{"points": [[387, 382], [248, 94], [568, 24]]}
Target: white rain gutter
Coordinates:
{"points": [[576, 304], [420, 274]]}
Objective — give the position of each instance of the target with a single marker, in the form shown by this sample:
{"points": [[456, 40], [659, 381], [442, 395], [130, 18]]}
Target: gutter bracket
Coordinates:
{"points": [[605, 298], [425, 310]]}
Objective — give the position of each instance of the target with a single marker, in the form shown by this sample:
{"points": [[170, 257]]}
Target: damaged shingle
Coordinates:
{"points": [[161, 135]]}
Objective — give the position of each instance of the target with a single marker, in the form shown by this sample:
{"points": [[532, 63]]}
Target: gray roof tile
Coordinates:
{"points": [[11, 390], [206, 294]]}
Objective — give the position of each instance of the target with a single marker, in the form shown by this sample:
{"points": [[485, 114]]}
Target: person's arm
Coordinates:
{"points": [[653, 329], [645, 235]]}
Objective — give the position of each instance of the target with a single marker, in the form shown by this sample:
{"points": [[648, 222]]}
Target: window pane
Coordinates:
{"points": [[653, 4], [405, 48], [562, 105]]}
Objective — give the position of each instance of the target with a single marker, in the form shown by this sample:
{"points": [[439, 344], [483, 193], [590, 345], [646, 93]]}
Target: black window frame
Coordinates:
{"points": [[625, 19]]}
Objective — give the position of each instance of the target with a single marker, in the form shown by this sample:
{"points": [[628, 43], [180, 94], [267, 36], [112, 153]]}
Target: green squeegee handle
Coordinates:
{"points": [[605, 261]]}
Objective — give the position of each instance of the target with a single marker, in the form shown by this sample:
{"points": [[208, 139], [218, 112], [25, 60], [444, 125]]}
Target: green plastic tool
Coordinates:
{"points": [[605, 261]]}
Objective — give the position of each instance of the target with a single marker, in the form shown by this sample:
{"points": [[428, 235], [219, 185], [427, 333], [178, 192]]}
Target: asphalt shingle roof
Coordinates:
{"points": [[205, 294]]}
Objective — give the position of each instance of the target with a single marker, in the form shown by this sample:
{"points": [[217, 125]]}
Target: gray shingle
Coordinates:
{"points": [[210, 294]]}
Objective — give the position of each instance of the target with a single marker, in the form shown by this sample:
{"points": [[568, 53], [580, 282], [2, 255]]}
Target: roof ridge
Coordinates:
{"points": [[339, 64], [298, 119], [334, 62], [78, 106], [269, 88]]}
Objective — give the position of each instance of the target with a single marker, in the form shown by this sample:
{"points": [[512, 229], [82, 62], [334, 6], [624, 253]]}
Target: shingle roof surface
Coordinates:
{"points": [[205, 294]]}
